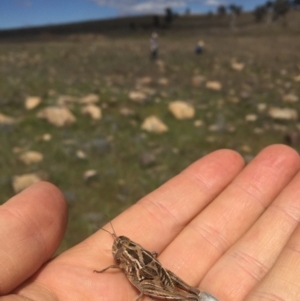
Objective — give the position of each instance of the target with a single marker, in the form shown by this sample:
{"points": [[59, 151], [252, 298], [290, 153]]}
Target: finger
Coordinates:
{"points": [[254, 255], [233, 212], [32, 224], [282, 282], [157, 218]]}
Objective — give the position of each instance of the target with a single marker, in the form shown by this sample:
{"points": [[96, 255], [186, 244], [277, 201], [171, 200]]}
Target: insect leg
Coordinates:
{"points": [[113, 266]]}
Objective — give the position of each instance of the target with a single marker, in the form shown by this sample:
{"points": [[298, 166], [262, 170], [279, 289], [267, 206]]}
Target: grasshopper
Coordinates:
{"points": [[147, 274]]}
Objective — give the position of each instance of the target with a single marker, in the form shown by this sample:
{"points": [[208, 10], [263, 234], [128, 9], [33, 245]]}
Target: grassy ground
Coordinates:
{"points": [[110, 67]]}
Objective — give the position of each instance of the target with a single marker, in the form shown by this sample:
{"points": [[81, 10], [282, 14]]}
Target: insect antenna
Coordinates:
{"points": [[114, 235]]}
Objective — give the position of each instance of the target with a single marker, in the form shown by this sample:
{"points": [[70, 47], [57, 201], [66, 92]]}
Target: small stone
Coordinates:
{"points": [[46, 137], [90, 175], [80, 154], [198, 123], [251, 117], [284, 114], [89, 99], [237, 66], [297, 78], [126, 111], [258, 131], [21, 182], [137, 96], [4, 119], [198, 80], [65, 99], [144, 80], [246, 148], [214, 85], [147, 159], [154, 124], [57, 116], [31, 157], [261, 107], [163, 81], [181, 109], [290, 98], [31, 102], [92, 110]]}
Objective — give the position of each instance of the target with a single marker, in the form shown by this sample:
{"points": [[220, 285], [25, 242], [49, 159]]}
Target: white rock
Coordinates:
{"points": [[137, 96], [80, 154], [4, 119], [58, 116], [285, 113], [251, 117], [297, 78], [92, 110], [198, 123], [290, 98], [46, 137], [21, 182], [198, 80], [181, 109], [214, 85], [89, 99], [90, 174], [31, 157], [237, 66], [154, 124], [163, 81], [31, 102], [261, 107]]}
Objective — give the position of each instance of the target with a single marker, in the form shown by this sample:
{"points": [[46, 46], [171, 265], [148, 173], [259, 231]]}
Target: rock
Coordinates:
{"points": [[137, 96], [154, 124], [21, 182], [237, 66], [214, 85], [32, 102], [80, 154], [89, 99], [297, 78], [198, 80], [284, 114], [246, 148], [291, 138], [144, 80], [46, 137], [90, 175], [4, 119], [181, 109], [147, 159], [58, 116], [261, 107], [63, 100], [92, 110], [251, 117], [126, 111], [163, 81], [31, 157], [290, 98], [198, 123]]}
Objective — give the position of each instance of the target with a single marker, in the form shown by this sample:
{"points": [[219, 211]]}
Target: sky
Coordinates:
{"points": [[27, 13]]}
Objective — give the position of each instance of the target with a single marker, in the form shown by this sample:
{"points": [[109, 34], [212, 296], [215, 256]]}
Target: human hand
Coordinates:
{"points": [[230, 230]]}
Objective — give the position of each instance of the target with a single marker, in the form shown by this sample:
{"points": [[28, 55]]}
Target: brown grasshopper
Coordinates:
{"points": [[146, 273]]}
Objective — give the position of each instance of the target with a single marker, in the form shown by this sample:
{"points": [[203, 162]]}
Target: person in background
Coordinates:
{"points": [[199, 47], [154, 46]]}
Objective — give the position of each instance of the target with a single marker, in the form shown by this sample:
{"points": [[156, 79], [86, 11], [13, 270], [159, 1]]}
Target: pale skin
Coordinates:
{"points": [[229, 229]]}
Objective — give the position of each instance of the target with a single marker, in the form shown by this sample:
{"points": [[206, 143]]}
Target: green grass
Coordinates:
{"points": [[110, 67]]}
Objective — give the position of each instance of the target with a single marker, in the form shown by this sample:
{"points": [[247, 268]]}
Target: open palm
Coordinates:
{"points": [[232, 231]]}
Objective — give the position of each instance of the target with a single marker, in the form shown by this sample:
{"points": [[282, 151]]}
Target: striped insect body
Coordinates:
{"points": [[146, 273]]}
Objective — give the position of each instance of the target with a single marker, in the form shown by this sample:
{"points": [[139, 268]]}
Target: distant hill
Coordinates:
{"points": [[206, 23]]}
